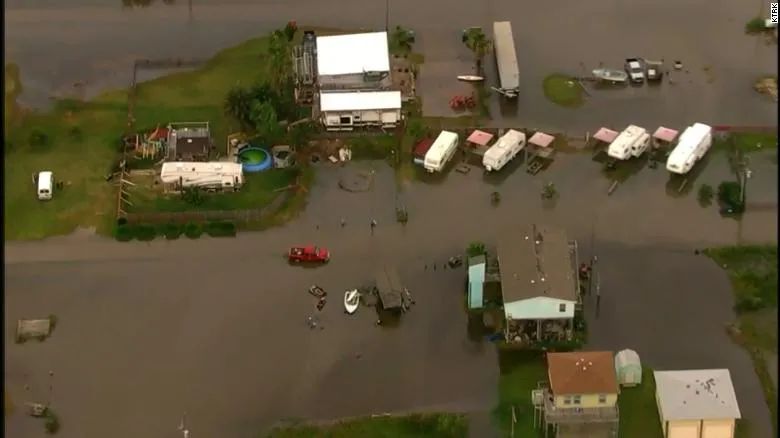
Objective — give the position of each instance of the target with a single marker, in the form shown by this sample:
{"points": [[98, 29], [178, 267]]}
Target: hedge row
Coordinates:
{"points": [[145, 232]]}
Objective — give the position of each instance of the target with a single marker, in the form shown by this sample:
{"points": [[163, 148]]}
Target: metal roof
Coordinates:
{"points": [[506, 56], [696, 395], [665, 134], [541, 139], [536, 263], [480, 138], [360, 101], [389, 287], [606, 135], [352, 54]]}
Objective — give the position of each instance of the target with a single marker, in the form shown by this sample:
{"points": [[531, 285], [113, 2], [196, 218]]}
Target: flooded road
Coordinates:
{"points": [[59, 43], [217, 328]]}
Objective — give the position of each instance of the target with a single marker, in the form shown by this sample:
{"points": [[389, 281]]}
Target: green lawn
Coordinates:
{"points": [[83, 140], [520, 372], [563, 90], [753, 274], [418, 426], [638, 410]]}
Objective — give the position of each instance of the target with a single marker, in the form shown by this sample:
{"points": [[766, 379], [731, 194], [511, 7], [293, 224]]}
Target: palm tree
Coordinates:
{"points": [[238, 104], [478, 43]]}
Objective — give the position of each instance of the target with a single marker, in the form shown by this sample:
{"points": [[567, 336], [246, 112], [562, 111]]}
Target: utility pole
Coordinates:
{"points": [[387, 15]]}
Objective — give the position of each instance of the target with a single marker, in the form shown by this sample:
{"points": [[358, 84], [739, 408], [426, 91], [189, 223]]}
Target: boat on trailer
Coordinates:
{"points": [[609, 75], [351, 301]]}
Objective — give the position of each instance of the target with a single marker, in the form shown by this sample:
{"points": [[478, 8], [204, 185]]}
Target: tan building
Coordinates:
{"points": [[582, 393], [696, 403]]}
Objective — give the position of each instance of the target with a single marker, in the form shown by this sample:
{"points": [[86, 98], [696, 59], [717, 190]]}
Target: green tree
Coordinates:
{"points": [[280, 61], [415, 129], [265, 121], [479, 44], [402, 39], [238, 104], [301, 133]]}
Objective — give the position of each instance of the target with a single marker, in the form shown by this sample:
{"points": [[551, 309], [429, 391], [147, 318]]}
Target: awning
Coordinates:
{"points": [[665, 134], [541, 139], [480, 138], [606, 135]]}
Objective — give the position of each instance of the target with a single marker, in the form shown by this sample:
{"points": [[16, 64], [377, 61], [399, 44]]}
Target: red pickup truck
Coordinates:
{"points": [[310, 253]]}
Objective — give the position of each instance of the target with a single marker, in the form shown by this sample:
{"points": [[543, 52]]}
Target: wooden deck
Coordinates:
{"points": [[578, 415]]}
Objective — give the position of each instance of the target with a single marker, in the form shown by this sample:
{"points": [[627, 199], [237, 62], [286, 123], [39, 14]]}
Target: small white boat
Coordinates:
{"points": [[470, 78], [351, 301], [610, 75]]}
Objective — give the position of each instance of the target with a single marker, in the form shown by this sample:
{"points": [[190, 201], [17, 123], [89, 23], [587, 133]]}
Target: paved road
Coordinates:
{"points": [[216, 327], [57, 43]]}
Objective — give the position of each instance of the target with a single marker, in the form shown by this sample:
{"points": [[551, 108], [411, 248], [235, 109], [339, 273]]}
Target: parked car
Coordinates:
{"points": [[635, 70], [653, 70], [311, 253]]}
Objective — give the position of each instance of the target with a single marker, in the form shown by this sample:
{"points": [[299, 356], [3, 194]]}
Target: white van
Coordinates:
{"points": [[45, 185], [441, 151], [504, 150]]}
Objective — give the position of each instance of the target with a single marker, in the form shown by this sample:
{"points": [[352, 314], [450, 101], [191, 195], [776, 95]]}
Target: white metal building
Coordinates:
{"points": [[354, 61], [696, 403], [343, 111]]}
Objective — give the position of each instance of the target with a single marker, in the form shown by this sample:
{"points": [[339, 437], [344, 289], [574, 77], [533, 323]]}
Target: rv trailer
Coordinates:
{"points": [[632, 142], [211, 175], [504, 150], [441, 151], [694, 142]]}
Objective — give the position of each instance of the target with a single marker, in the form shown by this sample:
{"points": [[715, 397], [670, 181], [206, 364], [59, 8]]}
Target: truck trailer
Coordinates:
{"points": [[694, 142], [506, 59], [504, 150]]}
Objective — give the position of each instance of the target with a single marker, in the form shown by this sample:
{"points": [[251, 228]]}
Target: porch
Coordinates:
{"points": [[529, 331], [577, 415]]}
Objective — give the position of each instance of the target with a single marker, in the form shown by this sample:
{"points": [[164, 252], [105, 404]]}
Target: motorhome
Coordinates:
{"points": [[504, 150], [694, 142], [632, 142], [441, 151], [211, 175], [45, 185]]}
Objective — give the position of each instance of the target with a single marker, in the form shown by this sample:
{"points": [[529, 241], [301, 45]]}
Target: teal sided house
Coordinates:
{"points": [[476, 287]]}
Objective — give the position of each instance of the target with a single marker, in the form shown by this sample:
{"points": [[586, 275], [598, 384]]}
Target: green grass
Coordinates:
{"points": [[418, 426], [373, 147], [638, 410], [750, 141], [258, 191], [756, 25], [83, 162], [563, 90], [520, 372], [753, 274]]}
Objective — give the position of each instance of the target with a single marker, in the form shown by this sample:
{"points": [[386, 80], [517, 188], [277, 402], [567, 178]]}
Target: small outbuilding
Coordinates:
{"points": [[344, 111], [696, 403], [628, 368]]}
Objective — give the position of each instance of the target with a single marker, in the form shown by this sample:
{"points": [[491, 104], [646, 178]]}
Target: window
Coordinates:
{"points": [[602, 398], [345, 120], [577, 399], [562, 307], [567, 400]]}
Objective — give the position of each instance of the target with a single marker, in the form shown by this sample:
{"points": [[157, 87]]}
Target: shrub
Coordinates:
{"points": [[193, 196], [755, 25], [121, 221], [193, 230], [729, 194], [51, 423], [706, 193], [75, 133], [124, 233], [145, 232], [221, 229], [475, 249], [171, 231]]}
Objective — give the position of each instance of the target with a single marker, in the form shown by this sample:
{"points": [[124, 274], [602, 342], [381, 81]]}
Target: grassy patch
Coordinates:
{"points": [[752, 141], [753, 274], [638, 410], [756, 25], [520, 373], [563, 90], [374, 147], [257, 192], [82, 161], [422, 426]]}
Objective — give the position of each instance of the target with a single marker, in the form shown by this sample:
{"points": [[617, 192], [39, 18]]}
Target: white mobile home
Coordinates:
{"points": [[343, 111], [694, 142], [212, 175], [632, 142], [354, 61], [441, 151], [504, 150]]}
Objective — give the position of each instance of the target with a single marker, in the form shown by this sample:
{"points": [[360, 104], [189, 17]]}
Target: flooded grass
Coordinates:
{"points": [[421, 426], [83, 161], [753, 273], [563, 90]]}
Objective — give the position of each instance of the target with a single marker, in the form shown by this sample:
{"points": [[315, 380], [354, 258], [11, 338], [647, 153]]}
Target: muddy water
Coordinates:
{"points": [[59, 43]]}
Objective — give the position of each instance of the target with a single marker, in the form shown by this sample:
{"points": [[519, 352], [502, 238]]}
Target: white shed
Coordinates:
{"points": [[696, 403], [353, 61], [628, 368], [343, 111]]}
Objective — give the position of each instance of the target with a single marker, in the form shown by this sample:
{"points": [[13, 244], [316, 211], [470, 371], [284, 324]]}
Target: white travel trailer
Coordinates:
{"points": [[694, 142], [504, 150], [441, 151], [632, 142], [212, 175], [45, 185]]}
